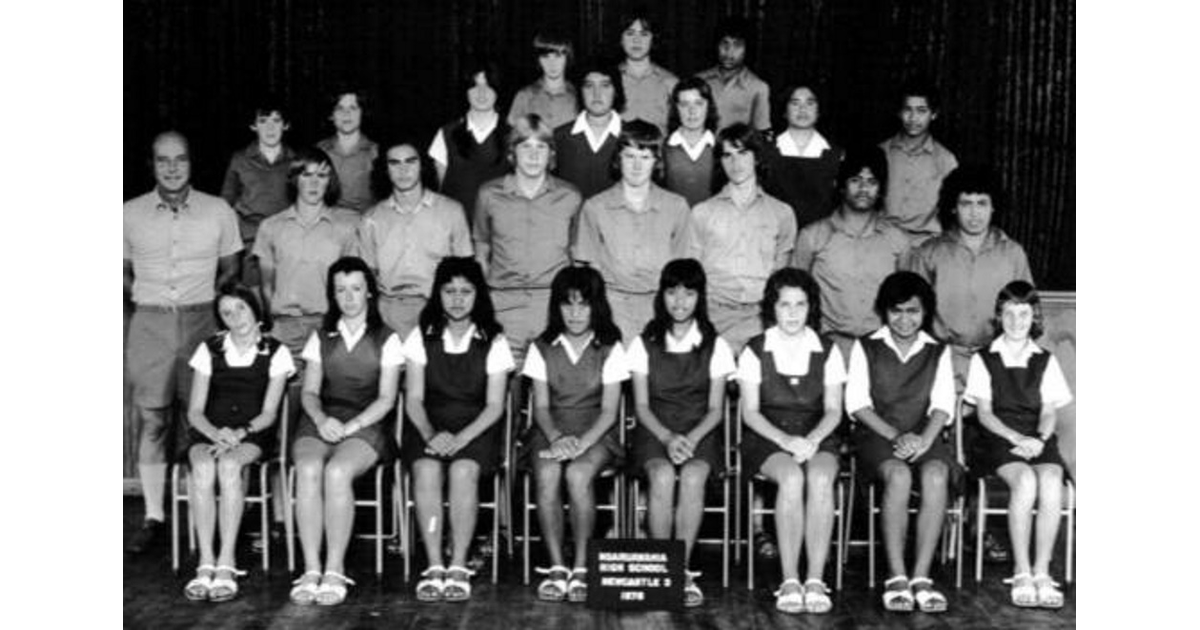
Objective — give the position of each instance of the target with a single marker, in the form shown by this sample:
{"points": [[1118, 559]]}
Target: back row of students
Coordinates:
{"points": [[898, 389], [588, 105]]}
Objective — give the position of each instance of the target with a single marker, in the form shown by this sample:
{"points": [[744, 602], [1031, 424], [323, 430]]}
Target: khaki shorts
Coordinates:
{"points": [[522, 313], [401, 314], [161, 341], [631, 312], [737, 323]]}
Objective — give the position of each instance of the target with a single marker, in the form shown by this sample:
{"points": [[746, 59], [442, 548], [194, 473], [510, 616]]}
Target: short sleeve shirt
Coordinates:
{"points": [[648, 97], [721, 364], [499, 357], [281, 362], [791, 354], [742, 98], [301, 255], [391, 355], [1053, 389], [614, 370], [406, 245], [175, 253], [630, 247], [741, 246], [527, 240], [858, 376]]}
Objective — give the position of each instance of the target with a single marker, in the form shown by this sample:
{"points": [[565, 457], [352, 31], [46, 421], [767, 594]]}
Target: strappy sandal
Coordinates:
{"points": [[577, 586], [554, 587], [816, 596], [457, 584], [224, 588], [305, 590], [1048, 595], [329, 594], [432, 586], [692, 595], [898, 594], [1023, 593], [929, 599], [198, 587], [790, 601]]}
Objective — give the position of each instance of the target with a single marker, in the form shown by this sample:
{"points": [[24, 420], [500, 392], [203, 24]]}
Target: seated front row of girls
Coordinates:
{"points": [[899, 392]]}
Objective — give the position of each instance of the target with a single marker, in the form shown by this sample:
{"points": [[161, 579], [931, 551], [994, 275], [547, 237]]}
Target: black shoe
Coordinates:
{"points": [[994, 549], [765, 547], [151, 534]]}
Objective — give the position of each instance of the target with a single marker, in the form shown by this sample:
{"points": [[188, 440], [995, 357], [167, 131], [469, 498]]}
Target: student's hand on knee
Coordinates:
{"points": [[442, 444], [679, 447], [905, 445], [922, 445], [800, 447], [227, 438]]}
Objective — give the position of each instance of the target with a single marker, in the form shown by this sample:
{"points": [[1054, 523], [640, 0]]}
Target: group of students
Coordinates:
{"points": [[643, 228], [898, 391]]}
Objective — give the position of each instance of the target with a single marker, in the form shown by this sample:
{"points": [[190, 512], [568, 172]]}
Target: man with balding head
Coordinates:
{"points": [[179, 245]]}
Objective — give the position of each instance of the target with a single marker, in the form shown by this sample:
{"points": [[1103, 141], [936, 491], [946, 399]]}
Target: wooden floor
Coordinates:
{"points": [[153, 598]]}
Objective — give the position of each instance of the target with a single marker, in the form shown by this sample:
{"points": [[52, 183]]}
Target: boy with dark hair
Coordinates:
{"points": [[353, 154], [551, 96], [647, 85], [740, 94], [917, 163]]}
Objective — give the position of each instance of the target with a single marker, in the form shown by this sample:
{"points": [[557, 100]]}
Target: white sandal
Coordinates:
{"points": [[577, 585], [432, 585], [457, 585], [898, 599], [816, 596], [791, 602], [198, 587], [692, 595], [1023, 593], [225, 588], [929, 599], [1048, 595], [554, 587], [304, 591], [333, 594]]}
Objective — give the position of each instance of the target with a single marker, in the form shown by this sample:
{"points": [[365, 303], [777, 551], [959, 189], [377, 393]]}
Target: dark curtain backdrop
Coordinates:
{"points": [[1006, 70]]}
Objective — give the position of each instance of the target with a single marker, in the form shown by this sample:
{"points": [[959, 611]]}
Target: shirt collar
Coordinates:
{"points": [[688, 342], [449, 343], [727, 194], [994, 238], [693, 152], [926, 145], [426, 202], [741, 77], [568, 88], [349, 338], [787, 146], [656, 71], [484, 129], [808, 343], [875, 223], [616, 198], [561, 340], [292, 213], [582, 126], [1021, 358], [922, 340], [509, 186], [183, 201], [228, 347]]}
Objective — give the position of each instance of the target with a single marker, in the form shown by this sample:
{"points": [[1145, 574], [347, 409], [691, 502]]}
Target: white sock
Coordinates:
{"points": [[154, 485]]}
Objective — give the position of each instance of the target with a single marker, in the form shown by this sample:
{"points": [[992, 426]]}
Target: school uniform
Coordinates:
{"points": [[688, 170], [456, 382], [576, 385], [791, 376], [1018, 385], [679, 374], [351, 365], [903, 389], [469, 165], [238, 383]]}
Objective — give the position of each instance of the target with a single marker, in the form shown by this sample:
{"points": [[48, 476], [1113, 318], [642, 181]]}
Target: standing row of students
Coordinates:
{"points": [[898, 389]]}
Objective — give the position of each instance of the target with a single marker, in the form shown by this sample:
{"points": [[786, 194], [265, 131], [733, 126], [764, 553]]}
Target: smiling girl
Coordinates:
{"points": [[1017, 387], [679, 366]]}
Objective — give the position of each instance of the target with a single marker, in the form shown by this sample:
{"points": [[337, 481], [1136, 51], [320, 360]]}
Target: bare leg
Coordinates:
{"points": [[203, 501], [897, 488], [822, 471], [580, 474], [427, 491], [549, 506], [351, 458], [230, 467], [310, 454], [464, 507], [789, 510], [1050, 491], [1022, 485], [934, 477], [660, 475], [692, 480]]}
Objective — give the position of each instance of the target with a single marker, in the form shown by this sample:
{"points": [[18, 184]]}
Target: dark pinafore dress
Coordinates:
{"points": [[794, 404], [1017, 402], [679, 384], [576, 394], [235, 394], [455, 394], [350, 383], [900, 394]]}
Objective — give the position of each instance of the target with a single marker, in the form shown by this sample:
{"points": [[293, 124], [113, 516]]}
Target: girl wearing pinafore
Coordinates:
{"points": [[458, 363], [1017, 387], [791, 384], [577, 365], [679, 366], [900, 392], [238, 382], [688, 162], [350, 385]]}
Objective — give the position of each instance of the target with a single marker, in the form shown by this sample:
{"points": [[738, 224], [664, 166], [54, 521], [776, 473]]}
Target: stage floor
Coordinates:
{"points": [[153, 598]]}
